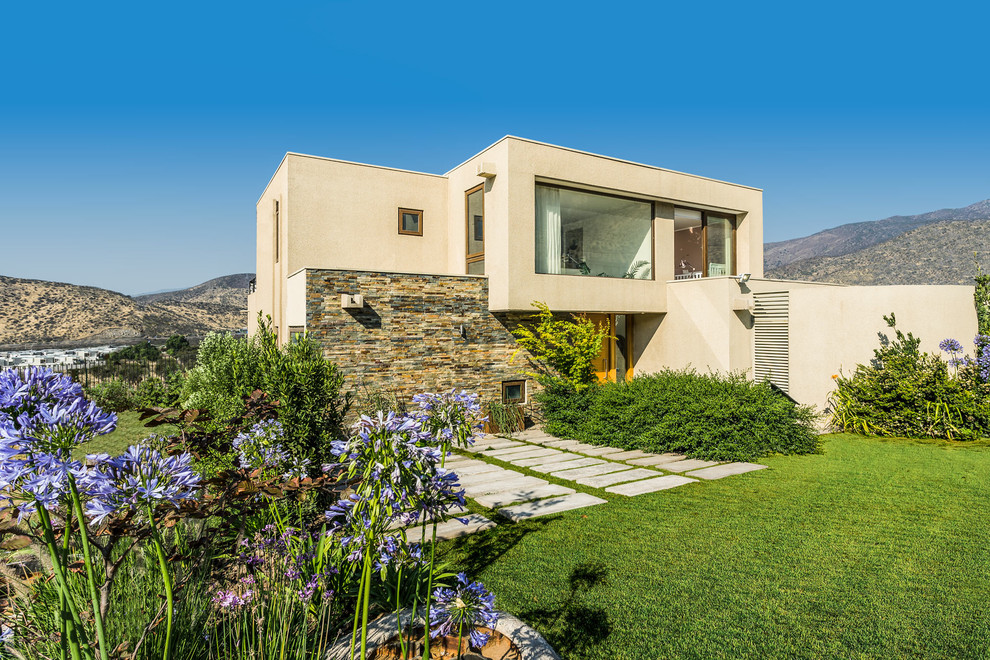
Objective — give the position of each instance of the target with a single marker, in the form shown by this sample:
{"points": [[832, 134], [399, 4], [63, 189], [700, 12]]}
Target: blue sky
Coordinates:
{"points": [[135, 138]]}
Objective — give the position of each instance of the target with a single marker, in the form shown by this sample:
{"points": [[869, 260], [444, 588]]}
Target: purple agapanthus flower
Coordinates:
{"points": [[260, 448], [43, 416], [462, 609], [950, 346], [139, 477], [453, 418]]}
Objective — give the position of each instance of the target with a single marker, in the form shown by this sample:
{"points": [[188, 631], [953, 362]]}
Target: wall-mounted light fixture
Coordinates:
{"points": [[351, 301], [744, 277], [486, 170], [462, 332]]}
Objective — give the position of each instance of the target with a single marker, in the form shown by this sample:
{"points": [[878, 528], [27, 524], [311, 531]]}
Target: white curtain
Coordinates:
{"points": [[548, 249]]}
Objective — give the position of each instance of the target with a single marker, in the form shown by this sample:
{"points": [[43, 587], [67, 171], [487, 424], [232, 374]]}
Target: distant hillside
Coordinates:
{"points": [[53, 313], [850, 238], [940, 253], [226, 290]]}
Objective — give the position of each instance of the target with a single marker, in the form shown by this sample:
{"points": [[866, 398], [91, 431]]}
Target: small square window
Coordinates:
{"points": [[411, 222], [513, 391]]}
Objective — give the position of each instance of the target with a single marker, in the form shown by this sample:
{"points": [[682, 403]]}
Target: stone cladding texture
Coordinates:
{"points": [[407, 338]]}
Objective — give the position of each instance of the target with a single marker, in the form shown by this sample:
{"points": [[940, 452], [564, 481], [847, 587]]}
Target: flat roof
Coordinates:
{"points": [[588, 153], [502, 139]]}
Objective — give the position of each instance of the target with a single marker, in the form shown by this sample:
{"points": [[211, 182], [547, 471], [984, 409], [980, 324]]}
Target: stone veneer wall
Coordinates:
{"points": [[406, 339]]}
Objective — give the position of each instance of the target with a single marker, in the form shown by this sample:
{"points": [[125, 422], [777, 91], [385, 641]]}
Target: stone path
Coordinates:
{"points": [[518, 496]]}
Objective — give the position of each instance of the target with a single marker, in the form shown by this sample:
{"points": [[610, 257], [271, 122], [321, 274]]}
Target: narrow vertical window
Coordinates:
{"points": [[474, 205], [411, 222], [275, 214]]}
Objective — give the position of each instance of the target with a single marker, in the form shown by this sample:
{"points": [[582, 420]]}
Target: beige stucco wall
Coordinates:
{"points": [[295, 299], [345, 215], [510, 213], [270, 276], [832, 329]]}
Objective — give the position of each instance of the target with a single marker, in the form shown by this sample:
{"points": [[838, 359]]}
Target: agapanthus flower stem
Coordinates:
{"points": [[80, 644], [64, 620], [429, 592], [90, 573], [156, 539], [365, 606]]}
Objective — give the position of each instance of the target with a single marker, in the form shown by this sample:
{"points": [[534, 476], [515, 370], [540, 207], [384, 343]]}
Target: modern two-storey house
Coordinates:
{"points": [[414, 281]]}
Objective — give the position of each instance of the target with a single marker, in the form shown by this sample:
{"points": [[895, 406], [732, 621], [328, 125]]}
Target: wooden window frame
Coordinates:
{"points": [[416, 212], [509, 383], [475, 257], [733, 222]]}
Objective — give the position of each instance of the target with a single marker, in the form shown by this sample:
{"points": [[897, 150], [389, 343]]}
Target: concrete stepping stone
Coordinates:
{"points": [[501, 486], [650, 485], [591, 471], [540, 460], [578, 463], [457, 510], [469, 470], [561, 444], [530, 453], [617, 477], [726, 470], [625, 455], [505, 444], [685, 465], [455, 528], [509, 451], [486, 477], [553, 505], [582, 447], [532, 434], [507, 497], [654, 459], [601, 451]]}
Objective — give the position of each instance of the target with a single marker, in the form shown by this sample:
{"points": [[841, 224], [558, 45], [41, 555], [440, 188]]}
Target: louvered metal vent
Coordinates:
{"points": [[771, 350]]}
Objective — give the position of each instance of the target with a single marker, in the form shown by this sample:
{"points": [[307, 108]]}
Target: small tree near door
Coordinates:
{"points": [[564, 351]]}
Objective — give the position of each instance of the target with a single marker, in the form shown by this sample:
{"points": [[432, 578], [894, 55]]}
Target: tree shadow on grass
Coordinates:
{"points": [[477, 552], [573, 629]]}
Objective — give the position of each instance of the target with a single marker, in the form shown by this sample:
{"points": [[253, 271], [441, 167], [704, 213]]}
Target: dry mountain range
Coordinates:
{"points": [[939, 247], [931, 248], [40, 313]]}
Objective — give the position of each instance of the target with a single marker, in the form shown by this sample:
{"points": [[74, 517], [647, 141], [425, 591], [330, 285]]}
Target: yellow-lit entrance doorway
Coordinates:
{"points": [[615, 362]]}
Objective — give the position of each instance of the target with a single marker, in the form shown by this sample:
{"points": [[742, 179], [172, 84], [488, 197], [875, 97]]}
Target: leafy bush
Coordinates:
{"points": [[308, 388], [981, 300], [114, 395], [707, 416], [504, 418], [141, 352], [565, 350], [905, 392]]}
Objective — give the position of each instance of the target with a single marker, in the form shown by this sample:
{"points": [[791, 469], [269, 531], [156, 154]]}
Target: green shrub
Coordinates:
{"points": [[307, 387], [905, 392], [504, 418], [564, 350], [706, 416], [227, 369], [114, 394]]}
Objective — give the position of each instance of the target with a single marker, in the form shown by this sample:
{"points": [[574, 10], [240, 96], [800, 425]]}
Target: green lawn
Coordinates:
{"points": [[873, 549], [129, 431]]}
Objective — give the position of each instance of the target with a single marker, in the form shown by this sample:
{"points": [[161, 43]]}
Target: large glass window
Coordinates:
{"points": [[703, 244], [582, 233]]}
